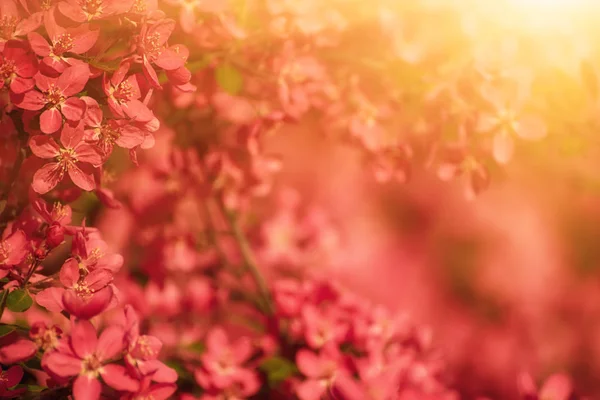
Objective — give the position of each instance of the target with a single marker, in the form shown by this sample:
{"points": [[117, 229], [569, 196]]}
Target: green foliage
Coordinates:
{"points": [[19, 300], [6, 329], [278, 369], [229, 79]]}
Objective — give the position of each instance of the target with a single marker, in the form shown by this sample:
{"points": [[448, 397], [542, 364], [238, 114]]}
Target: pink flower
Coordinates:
{"points": [[556, 387], [151, 48], [85, 294], [62, 42], [56, 97], [319, 370], [142, 351], [73, 158], [87, 357], [148, 390], [17, 67], [321, 328], [124, 96], [505, 122], [222, 365], [89, 10], [10, 378], [12, 23], [46, 338], [13, 249], [104, 134], [15, 349], [93, 253]]}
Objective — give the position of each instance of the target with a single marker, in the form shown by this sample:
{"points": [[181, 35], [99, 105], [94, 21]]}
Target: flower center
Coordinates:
{"points": [[54, 97], [7, 27], [82, 290], [106, 137], [62, 44], [92, 8], [151, 45], [7, 70], [139, 6], [124, 92], [4, 251], [45, 5], [46, 340], [143, 346], [66, 158], [94, 255], [58, 211], [90, 366]]}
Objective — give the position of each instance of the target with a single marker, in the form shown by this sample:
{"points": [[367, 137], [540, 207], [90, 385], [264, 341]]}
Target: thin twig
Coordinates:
{"points": [[248, 256]]}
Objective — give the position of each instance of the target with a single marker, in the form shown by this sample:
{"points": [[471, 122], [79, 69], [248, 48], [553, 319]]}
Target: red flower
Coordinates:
{"points": [[86, 357], [56, 97], [104, 134], [556, 387], [69, 159], [152, 49], [9, 379], [319, 369], [222, 365], [88, 10], [93, 253], [17, 67], [124, 96], [12, 24], [84, 295], [507, 121], [14, 349], [63, 41], [142, 352], [13, 249]]}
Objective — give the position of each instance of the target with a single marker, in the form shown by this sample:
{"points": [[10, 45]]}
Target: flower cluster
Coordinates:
{"points": [[147, 248]]}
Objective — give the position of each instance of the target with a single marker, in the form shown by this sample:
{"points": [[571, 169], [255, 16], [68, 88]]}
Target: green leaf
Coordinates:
{"points": [[278, 369], [6, 329], [197, 347], [19, 300], [229, 79], [35, 388]]}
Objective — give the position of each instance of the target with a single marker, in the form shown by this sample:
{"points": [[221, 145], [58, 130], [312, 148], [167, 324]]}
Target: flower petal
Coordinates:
{"points": [[51, 299], [530, 127], [87, 308], [38, 44], [503, 147], [61, 364], [82, 179], [51, 120], [83, 338], [44, 146], [21, 85], [73, 109], [86, 388], [69, 273], [46, 178], [117, 377], [73, 79], [17, 351], [111, 342], [31, 100]]}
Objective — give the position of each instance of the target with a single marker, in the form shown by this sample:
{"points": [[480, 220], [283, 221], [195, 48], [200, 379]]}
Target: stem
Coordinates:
{"points": [[34, 266], [248, 257], [213, 234], [3, 302]]}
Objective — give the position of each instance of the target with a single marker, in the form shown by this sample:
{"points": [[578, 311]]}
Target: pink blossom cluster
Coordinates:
{"points": [[177, 277]]}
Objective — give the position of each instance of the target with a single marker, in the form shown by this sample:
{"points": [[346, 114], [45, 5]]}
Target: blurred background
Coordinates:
{"points": [[507, 282]]}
